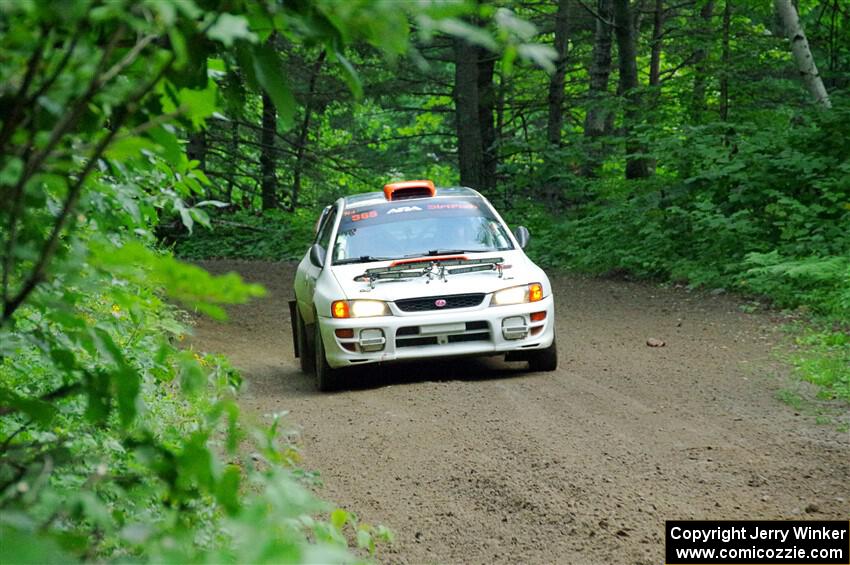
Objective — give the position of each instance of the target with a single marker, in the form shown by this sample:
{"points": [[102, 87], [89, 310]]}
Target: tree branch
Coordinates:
{"points": [[61, 392], [17, 103], [48, 250]]}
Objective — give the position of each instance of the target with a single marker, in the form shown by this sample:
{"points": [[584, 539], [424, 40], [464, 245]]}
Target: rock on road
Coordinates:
{"points": [[479, 461]]}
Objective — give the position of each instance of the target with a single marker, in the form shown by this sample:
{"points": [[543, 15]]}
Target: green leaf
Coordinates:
{"points": [[228, 28], [169, 146], [350, 75], [195, 463], [267, 69], [178, 44], [339, 518], [99, 396], [541, 55], [129, 147], [365, 541], [509, 22], [39, 410], [470, 33], [29, 547], [227, 490], [125, 379]]}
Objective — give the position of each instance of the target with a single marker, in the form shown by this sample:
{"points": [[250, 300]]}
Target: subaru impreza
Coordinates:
{"points": [[418, 272]]}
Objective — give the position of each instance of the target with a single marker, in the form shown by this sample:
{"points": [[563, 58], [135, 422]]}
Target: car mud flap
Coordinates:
{"points": [[293, 322]]}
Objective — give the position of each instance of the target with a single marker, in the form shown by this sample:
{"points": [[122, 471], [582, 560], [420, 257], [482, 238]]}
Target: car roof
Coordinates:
{"points": [[372, 198]]}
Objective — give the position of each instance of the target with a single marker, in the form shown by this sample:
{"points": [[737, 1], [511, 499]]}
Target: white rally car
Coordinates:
{"points": [[418, 272]]}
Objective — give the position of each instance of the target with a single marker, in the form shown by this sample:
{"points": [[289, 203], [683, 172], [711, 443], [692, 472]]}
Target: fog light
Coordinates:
{"points": [[372, 340], [514, 328], [538, 316], [344, 333]]}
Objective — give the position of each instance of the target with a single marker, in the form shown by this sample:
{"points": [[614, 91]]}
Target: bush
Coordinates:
{"points": [[273, 235]]}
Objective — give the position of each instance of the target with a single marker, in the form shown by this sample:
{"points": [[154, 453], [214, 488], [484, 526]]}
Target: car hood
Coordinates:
{"points": [[518, 270]]}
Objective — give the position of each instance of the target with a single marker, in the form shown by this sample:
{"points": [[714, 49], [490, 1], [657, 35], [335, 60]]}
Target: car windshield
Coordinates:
{"points": [[416, 228]]}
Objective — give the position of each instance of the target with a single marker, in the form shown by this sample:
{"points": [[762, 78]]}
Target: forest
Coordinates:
{"points": [[696, 143]]}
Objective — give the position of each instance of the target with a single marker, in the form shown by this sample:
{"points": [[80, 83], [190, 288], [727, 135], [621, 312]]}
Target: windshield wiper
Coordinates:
{"points": [[434, 252], [362, 259]]}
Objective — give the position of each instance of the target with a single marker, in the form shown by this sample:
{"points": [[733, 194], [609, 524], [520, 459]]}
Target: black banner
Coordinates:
{"points": [[761, 542]]}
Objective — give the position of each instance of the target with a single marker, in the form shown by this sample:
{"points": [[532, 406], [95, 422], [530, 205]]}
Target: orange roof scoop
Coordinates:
{"points": [[409, 189]]}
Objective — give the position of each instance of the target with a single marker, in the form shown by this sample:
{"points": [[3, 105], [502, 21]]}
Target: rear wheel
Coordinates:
{"points": [[305, 352], [544, 359], [327, 378]]}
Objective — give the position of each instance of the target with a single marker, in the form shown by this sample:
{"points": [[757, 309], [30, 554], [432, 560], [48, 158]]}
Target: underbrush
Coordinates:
{"points": [[272, 236], [121, 444], [765, 214], [824, 359]]}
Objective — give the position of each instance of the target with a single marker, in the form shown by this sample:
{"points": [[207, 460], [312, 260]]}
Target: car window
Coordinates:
{"points": [[321, 221], [399, 229], [324, 236]]}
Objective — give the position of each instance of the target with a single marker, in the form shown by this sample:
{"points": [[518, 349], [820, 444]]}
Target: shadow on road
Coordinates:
{"points": [[292, 382]]}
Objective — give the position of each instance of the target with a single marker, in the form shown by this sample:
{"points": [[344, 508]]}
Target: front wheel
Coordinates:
{"points": [[544, 359], [327, 378]]}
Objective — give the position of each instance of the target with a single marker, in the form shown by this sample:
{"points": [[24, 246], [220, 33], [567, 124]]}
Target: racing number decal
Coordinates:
{"points": [[364, 215]]}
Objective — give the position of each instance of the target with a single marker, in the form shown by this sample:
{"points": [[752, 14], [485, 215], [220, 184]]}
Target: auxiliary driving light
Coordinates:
{"points": [[514, 327], [372, 340]]}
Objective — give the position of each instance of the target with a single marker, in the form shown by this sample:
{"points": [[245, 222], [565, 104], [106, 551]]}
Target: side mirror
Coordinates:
{"points": [[317, 255], [522, 236]]}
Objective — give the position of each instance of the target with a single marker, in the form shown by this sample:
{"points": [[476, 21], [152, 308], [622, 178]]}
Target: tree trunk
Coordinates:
{"points": [[802, 52], [233, 148], [486, 107], [470, 148], [556, 81], [727, 61], [636, 167], [196, 149], [657, 35], [268, 160], [597, 119], [698, 104], [301, 143]]}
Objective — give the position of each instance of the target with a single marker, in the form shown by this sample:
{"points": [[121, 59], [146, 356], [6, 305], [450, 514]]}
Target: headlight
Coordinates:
{"points": [[518, 294], [359, 308]]}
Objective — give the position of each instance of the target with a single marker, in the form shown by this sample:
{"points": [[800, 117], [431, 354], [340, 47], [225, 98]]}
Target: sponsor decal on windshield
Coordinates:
{"points": [[405, 209], [453, 206]]}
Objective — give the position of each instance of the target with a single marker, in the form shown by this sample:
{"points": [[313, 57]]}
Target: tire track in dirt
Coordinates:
{"points": [[478, 461]]}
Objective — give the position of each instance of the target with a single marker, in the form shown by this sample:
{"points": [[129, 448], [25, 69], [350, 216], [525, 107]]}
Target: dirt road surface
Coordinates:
{"points": [[479, 461]]}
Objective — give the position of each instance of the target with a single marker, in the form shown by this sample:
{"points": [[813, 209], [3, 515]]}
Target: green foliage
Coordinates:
{"points": [[274, 235], [119, 442], [765, 213], [824, 360]]}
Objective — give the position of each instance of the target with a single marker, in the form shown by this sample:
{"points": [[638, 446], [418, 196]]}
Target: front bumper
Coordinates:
{"points": [[439, 333]]}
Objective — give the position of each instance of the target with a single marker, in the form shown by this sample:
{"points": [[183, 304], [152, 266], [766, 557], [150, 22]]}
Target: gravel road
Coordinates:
{"points": [[479, 461]]}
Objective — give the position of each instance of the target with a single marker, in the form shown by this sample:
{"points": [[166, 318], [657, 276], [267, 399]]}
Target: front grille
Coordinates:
{"points": [[452, 301], [409, 336], [416, 341]]}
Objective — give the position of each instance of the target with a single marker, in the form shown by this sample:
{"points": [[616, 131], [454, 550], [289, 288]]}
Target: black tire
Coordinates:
{"points": [[305, 351], [327, 378], [544, 359]]}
